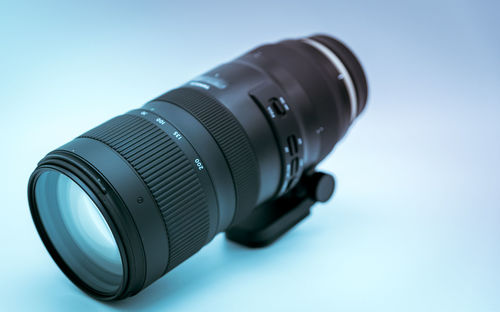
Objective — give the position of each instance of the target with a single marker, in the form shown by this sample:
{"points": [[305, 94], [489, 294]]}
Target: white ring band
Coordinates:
{"points": [[344, 74]]}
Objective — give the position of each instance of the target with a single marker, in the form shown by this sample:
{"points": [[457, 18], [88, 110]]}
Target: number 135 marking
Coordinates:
{"points": [[177, 135]]}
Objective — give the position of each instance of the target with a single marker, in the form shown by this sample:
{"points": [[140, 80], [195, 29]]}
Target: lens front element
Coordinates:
{"points": [[78, 231]]}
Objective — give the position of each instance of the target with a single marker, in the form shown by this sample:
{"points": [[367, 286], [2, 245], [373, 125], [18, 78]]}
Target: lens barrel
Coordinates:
{"points": [[199, 159]]}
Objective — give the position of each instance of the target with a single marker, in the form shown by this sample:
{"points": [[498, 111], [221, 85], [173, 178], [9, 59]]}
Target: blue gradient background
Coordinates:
{"points": [[414, 224]]}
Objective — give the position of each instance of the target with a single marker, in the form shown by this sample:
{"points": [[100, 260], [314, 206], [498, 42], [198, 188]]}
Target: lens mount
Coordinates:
{"points": [[344, 74]]}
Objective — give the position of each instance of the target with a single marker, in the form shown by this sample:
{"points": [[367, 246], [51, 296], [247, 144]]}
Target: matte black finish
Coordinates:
{"points": [[320, 186], [352, 64], [230, 138], [169, 175], [232, 150], [198, 136], [271, 220]]}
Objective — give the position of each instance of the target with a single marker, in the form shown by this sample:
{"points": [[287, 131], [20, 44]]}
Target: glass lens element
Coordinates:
{"points": [[78, 231]]}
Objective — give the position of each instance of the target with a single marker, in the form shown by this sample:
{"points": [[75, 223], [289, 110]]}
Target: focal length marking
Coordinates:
{"points": [[199, 164], [173, 133]]}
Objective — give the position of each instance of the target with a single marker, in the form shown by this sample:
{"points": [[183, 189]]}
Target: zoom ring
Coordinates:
{"points": [[231, 139], [168, 174]]}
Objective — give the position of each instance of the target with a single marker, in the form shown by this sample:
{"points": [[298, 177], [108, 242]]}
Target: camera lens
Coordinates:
{"points": [[129, 200]]}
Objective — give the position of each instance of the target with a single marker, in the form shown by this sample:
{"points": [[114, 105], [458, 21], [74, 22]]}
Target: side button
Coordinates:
{"points": [[294, 166], [292, 144], [277, 106]]}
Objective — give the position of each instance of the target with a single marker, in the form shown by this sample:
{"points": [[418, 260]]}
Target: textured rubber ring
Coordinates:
{"points": [[231, 139], [168, 174]]}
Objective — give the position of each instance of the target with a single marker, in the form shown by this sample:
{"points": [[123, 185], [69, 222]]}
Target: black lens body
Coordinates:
{"points": [[197, 160]]}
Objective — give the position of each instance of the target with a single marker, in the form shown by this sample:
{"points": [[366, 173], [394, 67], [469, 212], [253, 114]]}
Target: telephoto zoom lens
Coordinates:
{"points": [[234, 150]]}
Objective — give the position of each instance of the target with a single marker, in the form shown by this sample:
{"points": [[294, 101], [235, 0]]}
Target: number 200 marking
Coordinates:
{"points": [[199, 164]]}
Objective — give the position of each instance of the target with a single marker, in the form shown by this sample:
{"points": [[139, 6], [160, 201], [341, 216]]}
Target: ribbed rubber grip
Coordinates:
{"points": [[168, 174], [230, 137]]}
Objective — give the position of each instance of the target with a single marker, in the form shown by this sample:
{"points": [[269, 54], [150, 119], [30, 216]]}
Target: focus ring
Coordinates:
{"points": [[169, 176], [230, 137]]}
